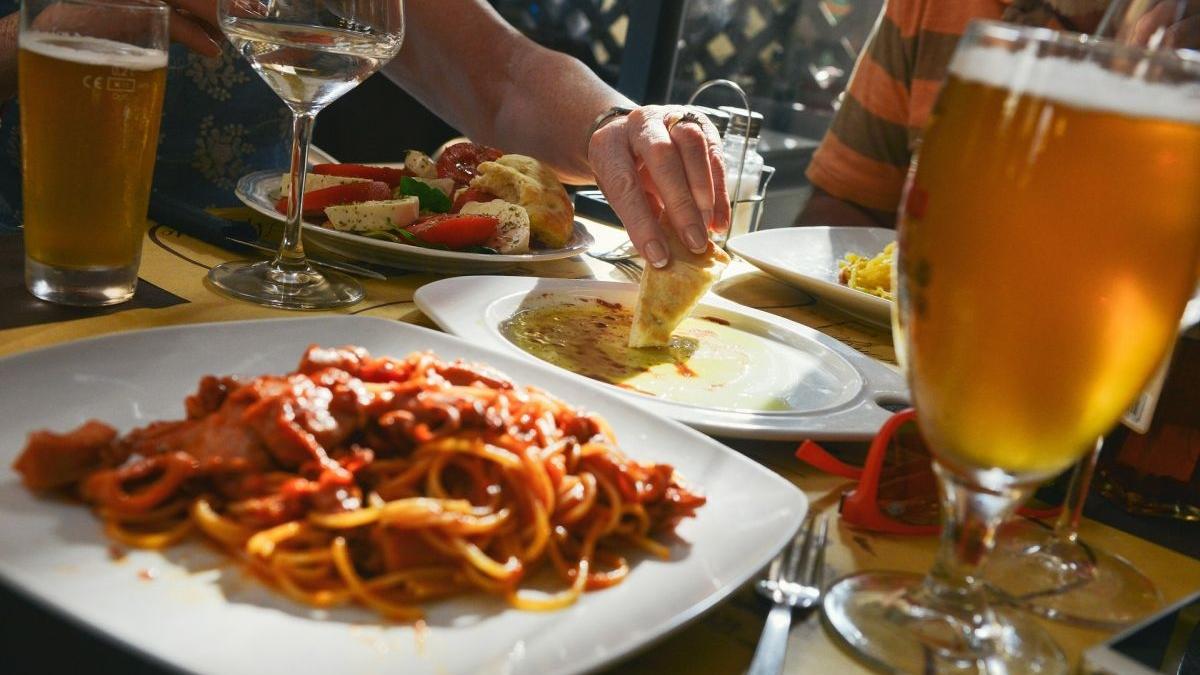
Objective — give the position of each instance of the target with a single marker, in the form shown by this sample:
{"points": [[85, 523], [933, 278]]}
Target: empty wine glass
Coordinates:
{"points": [[1058, 575], [310, 53]]}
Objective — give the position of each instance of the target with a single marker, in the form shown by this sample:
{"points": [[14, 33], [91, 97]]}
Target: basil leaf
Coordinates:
{"points": [[381, 234], [481, 249], [431, 198]]}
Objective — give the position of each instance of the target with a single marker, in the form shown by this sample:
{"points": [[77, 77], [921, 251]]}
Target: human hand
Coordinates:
{"points": [[1173, 24], [662, 159], [194, 23]]}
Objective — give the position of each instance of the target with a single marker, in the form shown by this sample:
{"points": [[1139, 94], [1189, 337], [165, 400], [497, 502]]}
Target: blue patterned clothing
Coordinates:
{"points": [[220, 121]]}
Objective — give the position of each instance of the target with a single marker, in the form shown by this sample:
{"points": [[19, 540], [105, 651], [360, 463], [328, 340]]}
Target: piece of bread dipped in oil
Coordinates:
{"points": [[526, 181], [667, 295]]}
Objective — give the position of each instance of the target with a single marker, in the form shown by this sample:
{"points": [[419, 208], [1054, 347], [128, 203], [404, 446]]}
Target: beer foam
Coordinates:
{"points": [[93, 51], [1078, 83]]}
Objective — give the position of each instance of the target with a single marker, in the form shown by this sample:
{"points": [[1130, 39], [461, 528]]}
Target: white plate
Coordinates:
{"points": [[205, 617], [837, 397], [260, 191], [807, 257]]}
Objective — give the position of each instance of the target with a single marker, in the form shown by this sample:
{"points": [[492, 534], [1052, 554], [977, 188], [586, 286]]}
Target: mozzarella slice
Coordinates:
{"points": [[512, 235], [315, 181], [420, 164], [446, 185], [374, 216]]}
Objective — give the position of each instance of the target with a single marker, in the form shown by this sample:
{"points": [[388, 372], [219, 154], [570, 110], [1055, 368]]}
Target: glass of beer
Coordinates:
{"points": [[1048, 244], [91, 75], [1053, 571]]}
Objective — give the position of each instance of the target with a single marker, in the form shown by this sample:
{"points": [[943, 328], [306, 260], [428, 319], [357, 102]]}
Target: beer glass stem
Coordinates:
{"points": [[290, 258], [1067, 526], [970, 516]]}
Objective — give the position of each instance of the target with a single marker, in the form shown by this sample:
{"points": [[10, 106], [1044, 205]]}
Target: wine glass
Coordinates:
{"points": [[1048, 243], [310, 53], [1056, 574]]}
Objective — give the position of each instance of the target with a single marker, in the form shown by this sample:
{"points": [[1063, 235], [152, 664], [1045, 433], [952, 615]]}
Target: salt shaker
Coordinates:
{"points": [[742, 134]]}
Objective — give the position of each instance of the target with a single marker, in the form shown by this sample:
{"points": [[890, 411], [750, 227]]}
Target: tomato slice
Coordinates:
{"points": [[350, 193], [471, 195], [454, 230], [461, 161], [387, 174]]}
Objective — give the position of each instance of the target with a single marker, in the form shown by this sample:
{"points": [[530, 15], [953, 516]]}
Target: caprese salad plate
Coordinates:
{"points": [[474, 210]]}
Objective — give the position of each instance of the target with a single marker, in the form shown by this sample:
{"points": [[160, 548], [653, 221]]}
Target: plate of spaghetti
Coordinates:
{"points": [[411, 503]]}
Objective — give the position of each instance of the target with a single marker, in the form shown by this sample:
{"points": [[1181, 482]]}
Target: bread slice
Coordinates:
{"points": [[667, 295], [526, 181]]}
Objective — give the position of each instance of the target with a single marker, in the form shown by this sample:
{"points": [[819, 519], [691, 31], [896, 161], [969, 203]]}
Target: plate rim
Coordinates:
{"points": [[834, 293], [744, 424], [798, 508], [582, 238]]}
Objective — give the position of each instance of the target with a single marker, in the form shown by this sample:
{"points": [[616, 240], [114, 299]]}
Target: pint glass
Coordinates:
{"points": [[91, 78]]}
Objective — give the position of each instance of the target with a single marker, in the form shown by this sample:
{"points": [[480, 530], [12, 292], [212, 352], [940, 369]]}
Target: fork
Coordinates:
{"points": [[622, 257], [622, 251], [629, 268], [794, 581]]}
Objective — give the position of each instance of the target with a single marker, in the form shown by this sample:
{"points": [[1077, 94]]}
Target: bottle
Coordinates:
{"points": [[1158, 473], [742, 134]]}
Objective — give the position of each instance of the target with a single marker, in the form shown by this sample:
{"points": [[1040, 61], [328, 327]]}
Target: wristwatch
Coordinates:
{"points": [[606, 117]]}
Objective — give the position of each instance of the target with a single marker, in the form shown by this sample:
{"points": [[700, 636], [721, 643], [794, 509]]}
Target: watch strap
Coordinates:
{"points": [[605, 117]]}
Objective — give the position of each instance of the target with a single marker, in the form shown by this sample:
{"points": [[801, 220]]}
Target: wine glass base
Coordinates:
{"points": [[1067, 581], [890, 620], [303, 288]]}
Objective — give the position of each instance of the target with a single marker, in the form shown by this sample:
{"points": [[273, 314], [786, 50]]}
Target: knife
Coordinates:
{"points": [[200, 224]]}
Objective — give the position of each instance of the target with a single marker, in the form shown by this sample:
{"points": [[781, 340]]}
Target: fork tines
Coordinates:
{"points": [[801, 563], [630, 268]]}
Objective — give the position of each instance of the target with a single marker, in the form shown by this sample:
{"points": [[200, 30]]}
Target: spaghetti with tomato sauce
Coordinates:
{"points": [[379, 481]]}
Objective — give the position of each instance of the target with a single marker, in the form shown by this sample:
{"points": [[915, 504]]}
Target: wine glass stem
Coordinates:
{"points": [[291, 247], [970, 516], [1067, 526]]}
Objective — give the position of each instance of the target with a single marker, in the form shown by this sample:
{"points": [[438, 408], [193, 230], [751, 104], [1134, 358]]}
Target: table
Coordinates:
{"points": [[722, 641]]}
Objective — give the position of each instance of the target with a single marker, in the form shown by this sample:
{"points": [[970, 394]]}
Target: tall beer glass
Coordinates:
{"points": [[91, 75], [1049, 241]]}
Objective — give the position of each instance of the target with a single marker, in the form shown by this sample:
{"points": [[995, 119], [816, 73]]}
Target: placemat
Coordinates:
{"points": [[18, 307]]}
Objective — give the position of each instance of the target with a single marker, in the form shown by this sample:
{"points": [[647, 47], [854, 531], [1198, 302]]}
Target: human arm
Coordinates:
{"points": [[858, 171], [825, 209], [8, 55], [500, 88]]}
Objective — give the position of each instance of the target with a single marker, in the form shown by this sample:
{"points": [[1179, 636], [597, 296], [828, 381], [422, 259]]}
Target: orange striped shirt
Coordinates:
{"points": [[866, 152]]}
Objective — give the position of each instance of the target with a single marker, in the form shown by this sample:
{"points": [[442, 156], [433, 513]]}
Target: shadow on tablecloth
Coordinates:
{"points": [[19, 308]]}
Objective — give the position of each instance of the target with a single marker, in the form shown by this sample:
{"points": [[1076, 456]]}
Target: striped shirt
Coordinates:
{"points": [[865, 154]]}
